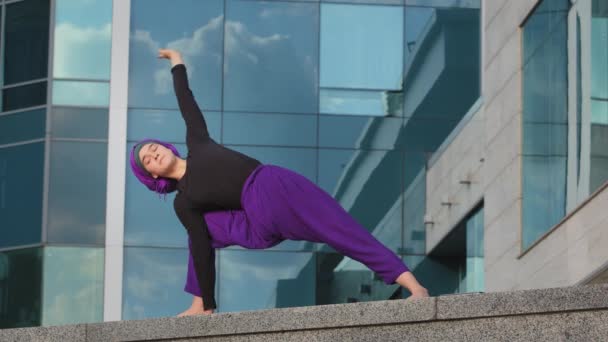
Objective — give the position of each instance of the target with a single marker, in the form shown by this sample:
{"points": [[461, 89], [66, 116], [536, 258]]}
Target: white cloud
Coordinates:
{"points": [[77, 51]]}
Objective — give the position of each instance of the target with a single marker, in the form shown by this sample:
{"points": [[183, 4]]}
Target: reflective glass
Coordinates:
{"points": [[167, 125], [358, 132], [26, 39], [349, 53], [361, 102], [150, 219], [300, 160], [367, 184], [549, 19], [599, 156], [271, 56], [86, 27], [544, 191], [474, 278], [73, 285], [270, 129], [274, 280], [21, 179], [424, 135], [25, 96], [75, 123], [599, 52], [414, 206], [599, 112], [194, 28], [545, 139], [442, 61], [445, 3], [77, 169], [20, 288], [22, 126], [78, 93], [344, 280], [153, 283]]}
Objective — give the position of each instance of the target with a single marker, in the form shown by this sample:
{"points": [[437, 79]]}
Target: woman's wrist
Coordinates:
{"points": [[176, 59]]}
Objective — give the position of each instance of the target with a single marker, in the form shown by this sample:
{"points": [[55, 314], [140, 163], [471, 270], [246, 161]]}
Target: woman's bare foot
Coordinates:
{"points": [[197, 308]]}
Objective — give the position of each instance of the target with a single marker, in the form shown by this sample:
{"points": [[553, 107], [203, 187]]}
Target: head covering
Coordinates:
{"points": [[161, 185]]}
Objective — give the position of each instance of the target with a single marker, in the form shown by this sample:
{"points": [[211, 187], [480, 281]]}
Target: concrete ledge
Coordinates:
{"points": [[578, 313]]}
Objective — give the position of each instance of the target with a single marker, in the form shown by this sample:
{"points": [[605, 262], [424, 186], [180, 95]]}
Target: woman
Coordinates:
{"points": [[227, 198]]}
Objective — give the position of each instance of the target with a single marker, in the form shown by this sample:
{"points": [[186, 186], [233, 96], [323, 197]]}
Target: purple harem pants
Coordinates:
{"points": [[280, 204]]}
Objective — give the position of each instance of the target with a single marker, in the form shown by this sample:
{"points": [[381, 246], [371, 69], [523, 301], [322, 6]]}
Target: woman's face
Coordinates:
{"points": [[156, 158]]}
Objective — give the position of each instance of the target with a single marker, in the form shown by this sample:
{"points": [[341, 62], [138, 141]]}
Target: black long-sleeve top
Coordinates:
{"points": [[213, 181]]}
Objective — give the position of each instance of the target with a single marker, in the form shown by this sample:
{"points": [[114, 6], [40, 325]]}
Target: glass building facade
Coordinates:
{"points": [[565, 110], [354, 95]]}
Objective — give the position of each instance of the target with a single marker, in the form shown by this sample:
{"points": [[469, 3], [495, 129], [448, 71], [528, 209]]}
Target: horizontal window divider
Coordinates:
{"points": [[22, 110], [59, 139], [74, 245], [360, 89], [90, 80], [18, 247], [16, 85], [78, 107], [24, 142]]}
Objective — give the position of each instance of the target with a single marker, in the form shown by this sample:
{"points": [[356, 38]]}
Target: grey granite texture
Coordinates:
{"points": [[247, 322], [522, 302], [560, 314], [45, 334]]}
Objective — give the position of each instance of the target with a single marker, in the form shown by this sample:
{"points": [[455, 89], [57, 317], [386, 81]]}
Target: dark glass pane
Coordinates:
{"points": [[442, 61], [367, 184], [301, 160], [271, 56], [414, 204], [150, 219], [544, 191], [424, 135], [349, 53], [20, 288], [167, 125], [341, 279], [85, 123], [545, 139], [77, 169], [73, 285], [86, 27], [21, 177], [29, 95], [22, 126], [548, 18], [26, 40], [195, 29], [359, 132], [274, 280], [599, 50], [153, 282], [270, 129]]}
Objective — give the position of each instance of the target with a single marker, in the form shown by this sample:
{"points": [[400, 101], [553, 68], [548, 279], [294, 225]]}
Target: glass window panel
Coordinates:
{"points": [[167, 125], [159, 226], [599, 156], [278, 280], [361, 102], [545, 79], [544, 191], [270, 129], [367, 184], [271, 57], [153, 283], [25, 96], [359, 132], [414, 208], [22, 126], [599, 112], [26, 39], [86, 27], [425, 135], [599, 54], [548, 19], [350, 55], [545, 139], [73, 285], [301, 160], [77, 167], [344, 280], [78, 93], [20, 287], [195, 29], [21, 177], [84, 123]]}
